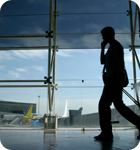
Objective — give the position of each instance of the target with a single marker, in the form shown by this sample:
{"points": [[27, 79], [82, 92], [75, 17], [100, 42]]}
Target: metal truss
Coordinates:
{"points": [[133, 26], [52, 49], [52, 54]]}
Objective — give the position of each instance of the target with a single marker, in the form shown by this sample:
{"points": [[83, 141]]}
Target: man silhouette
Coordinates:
{"points": [[112, 91]]}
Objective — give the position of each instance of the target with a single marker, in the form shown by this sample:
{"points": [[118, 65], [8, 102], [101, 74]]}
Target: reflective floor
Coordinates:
{"points": [[124, 139]]}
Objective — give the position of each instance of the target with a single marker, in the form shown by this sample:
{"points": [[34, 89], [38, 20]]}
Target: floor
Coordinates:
{"points": [[124, 139]]}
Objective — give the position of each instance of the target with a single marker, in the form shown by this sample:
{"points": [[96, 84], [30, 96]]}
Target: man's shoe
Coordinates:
{"points": [[102, 137]]}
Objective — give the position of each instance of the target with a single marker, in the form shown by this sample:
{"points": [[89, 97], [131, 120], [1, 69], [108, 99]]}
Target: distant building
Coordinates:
{"points": [[75, 112], [15, 107]]}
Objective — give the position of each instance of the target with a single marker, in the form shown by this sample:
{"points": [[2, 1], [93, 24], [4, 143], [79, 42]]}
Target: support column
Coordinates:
{"points": [[52, 54]]}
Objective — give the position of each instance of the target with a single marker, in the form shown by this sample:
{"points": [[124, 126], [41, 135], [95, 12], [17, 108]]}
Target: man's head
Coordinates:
{"points": [[108, 34]]}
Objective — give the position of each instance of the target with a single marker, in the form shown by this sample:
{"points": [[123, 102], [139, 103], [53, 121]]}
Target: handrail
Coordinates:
{"points": [[136, 102]]}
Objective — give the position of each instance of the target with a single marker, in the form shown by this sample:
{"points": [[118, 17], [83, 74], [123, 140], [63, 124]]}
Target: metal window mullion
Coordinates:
{"points": [[53, 90], [53, 77], [135, 23], [54, 41], [139, 19], [135, 54], [134, 51], [52, 21], [52, 26], [50, 42], [132, 40], [54, 50], [49, 60], [54, 35]]}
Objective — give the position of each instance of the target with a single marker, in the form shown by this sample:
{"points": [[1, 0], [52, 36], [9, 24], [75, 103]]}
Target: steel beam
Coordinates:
{"points": [[23, 36], [23, 86], [24, 48], [22, 81]]}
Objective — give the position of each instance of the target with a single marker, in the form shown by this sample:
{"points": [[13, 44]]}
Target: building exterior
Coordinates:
{"points": [[15, 107]]}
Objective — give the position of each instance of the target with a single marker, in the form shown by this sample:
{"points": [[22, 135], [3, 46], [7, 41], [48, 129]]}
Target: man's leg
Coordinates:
{"points": [[105, 112], [105, 115], [125, 111]]}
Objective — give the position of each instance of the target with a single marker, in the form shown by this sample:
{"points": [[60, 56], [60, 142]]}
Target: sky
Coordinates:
{"points": [[78, 57]]}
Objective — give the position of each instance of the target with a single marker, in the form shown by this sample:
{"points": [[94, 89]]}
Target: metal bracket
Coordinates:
{"points": [[56, 14], [132, 86], [49, 34], [47, 80], [56, 87], [128, 12], [56, 50]]}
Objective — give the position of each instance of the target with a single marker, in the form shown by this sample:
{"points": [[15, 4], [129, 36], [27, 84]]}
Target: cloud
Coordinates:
{"points": [[91, 41], [64, 41], [17, 71], [25, 42], [24, 54], [30, 54], [64, 53], [94, 27], [77, 41], [38, 68], [21, 70], [5, 55], [2, 67], [128, 57], [14, 74], [25, 69], [71, 52], [125, 39], [35, 30]]}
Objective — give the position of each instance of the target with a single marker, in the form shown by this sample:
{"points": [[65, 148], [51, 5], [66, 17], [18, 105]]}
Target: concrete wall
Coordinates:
{"points": [[92, 120]]}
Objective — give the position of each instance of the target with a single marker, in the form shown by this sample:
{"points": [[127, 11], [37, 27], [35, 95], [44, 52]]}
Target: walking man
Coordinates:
{"points": [[112, 91]]}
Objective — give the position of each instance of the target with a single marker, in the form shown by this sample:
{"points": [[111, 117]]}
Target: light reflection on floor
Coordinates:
{"points": [[124, 139]]}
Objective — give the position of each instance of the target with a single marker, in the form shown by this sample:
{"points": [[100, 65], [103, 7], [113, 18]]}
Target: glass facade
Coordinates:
{"points": [[78, 70]]}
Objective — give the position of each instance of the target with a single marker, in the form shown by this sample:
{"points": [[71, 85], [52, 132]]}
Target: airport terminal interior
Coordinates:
{"points": [[51, 76]]}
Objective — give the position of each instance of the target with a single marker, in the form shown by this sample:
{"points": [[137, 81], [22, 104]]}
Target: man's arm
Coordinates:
{"points": [[102, 57], [119, 57]]}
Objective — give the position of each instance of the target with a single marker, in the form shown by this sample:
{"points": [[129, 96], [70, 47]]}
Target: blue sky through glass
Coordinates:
{"points": [[78, 38]]}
